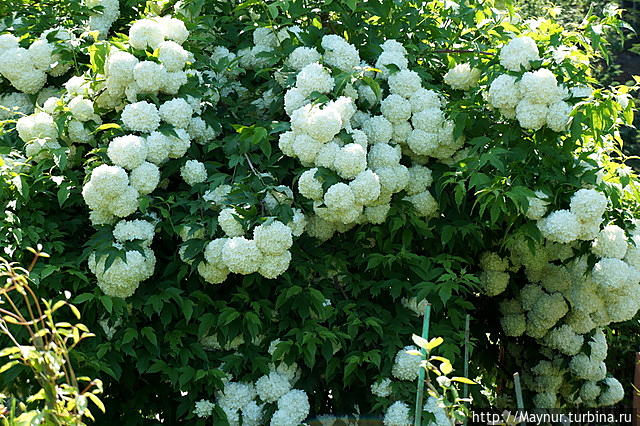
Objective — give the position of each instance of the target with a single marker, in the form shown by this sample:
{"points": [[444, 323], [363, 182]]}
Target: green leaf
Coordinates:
{"points": [[150, 335], [463, 380]]}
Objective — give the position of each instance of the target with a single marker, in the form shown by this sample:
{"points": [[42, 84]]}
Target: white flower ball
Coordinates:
{"points": [[423, 143], [149, 76], [382, 388], [193, 172], [339, 53], [504, 92], [537, 206], [229, 224], [391, 57], [179, 146], [539, 87], [130, 230], [293, 409], [423, 99], [611, 242], [314, 78], [398, 414], [365, 187], [273, 266], [350, 160], [327, 155], [518, 53], [172, 56], [558, 116], [339, 196], [395, 108], [303, 56], [81, 108], [141, 117], [241, 256], [424, 203], [405, 83], [306, 148], [213, 274], [294, 99], [173, 29], [145, 178], [157, 148], [612, 274], [309, 186], [274, 238], [531, 116], [128, 151], [145, 33], [613, 393], [176, 112], [377, 214], [419, 179], [462, 77], [406, 366], [384, 155], [378, 130], [588, 204], [125, 204]]}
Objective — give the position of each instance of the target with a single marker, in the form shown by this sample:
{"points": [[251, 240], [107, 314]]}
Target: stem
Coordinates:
{"points": [[461, 51]]}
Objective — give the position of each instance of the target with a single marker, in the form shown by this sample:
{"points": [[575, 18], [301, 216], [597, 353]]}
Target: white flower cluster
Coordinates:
{"points": [[406, 366], [494, 278], [365, 151], [536, 99], [581, 222], [247, 401], [204, 408], [14, 103], [566, 303], [382, 388], [27, 69], [101, 21], [267, 253], [113, 191], [435, 406], [398, 414], [462, 77], [123, 276]]}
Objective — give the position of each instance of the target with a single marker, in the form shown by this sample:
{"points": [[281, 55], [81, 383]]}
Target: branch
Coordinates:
{"points": [[461, 51]]}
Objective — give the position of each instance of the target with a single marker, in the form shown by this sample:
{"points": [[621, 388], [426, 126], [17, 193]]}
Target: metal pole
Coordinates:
{"points": [[420, 394]]}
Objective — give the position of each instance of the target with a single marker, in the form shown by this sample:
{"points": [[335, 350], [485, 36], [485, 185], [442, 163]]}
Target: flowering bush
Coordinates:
{"points": [[228, 180]]}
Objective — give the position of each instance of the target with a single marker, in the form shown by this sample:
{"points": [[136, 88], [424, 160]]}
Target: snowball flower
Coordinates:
{"points": [[149, 77], [558, 116], [273, 266], [398, 414], [365, 187], [613, 393], [128, 151], [518, 53], [172, 56], [293, 409], [145, 177], [339, 53], [274, 238], [314, 78], [176, 112], [129, 230], [531, 115], [388, 58], [378, 129], [193, 172], [141, 117], [612, 274], [588, 204], [406, 366], [272, 387], [462, 77], [539, 87], [145, 33], [404, 83], [339, 196], [395, 108], [303, 56], [350, 160], [382, 388], [204, 408], [309, 186], [81, 108], [537, 206], [229, 223], [611, 242], [241, 256]]}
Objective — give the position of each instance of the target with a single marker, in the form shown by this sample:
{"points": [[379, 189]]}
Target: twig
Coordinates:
{"points": [[461, 51]]}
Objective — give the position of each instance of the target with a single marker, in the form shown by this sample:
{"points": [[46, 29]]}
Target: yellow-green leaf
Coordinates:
{"points": [[463, 380]]}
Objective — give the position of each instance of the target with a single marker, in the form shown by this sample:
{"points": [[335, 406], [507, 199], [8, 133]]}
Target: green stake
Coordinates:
{"points": [[466, 355], [519, 400], [420, 395]]}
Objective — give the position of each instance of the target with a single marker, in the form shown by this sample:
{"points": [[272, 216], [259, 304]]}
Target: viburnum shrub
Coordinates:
{"points": [[255, 201]]}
